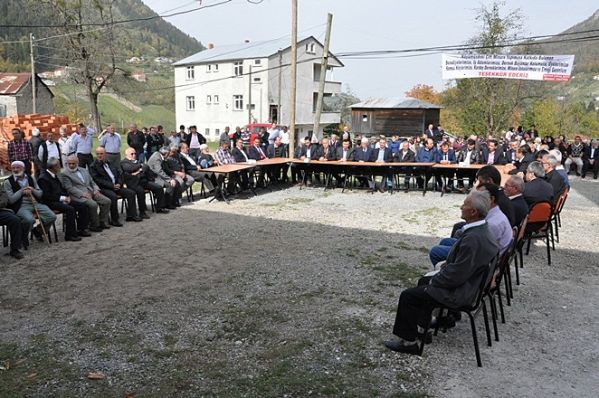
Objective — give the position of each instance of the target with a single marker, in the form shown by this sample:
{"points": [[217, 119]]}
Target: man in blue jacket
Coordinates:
{"points": [[445, 156], [425, 154]]}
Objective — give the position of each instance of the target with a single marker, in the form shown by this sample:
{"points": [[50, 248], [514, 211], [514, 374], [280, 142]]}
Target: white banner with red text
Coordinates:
{"points": [[556, 68]]}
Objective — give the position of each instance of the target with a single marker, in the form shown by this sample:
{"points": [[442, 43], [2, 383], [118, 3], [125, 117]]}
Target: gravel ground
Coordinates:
{"points": [[289, 293]]}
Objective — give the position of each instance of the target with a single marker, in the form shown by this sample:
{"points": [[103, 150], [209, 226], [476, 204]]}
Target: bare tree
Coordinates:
{"points": [[89, 49]]}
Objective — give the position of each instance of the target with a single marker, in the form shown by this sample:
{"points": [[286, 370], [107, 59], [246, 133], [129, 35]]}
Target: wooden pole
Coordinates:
{"points": [[33, 82], [279, 114], [293, 86], [250, 97], [323, 74]]}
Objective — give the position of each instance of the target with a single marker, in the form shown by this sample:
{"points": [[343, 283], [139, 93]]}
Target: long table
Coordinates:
{"points": [[344, 167]]}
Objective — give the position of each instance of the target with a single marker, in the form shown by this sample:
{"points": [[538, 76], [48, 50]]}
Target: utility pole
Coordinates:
{"points": [[292, 98], [323, 74], [279, 114], [250, 97], [33, 82]]}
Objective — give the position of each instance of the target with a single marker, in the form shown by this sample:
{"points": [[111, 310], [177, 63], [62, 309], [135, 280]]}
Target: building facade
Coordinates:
{"points": [[250, 83], [16, 96]]}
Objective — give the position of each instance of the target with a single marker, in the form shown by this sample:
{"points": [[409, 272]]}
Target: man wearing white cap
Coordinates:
{"points": [[23, 196]]}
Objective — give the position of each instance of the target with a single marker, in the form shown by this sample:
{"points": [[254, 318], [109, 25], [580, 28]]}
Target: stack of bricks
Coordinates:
{"points": [[46, 124]]}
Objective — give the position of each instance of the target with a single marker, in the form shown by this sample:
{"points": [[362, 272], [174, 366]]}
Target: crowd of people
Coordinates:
{"points": [[62, 176]]}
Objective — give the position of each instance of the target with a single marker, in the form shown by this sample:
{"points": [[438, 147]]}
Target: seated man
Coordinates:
{"points": [[560, 168], [523, 158], [192, 168], [490, 175], [576, 155], [549, 163], [23, 198], [445, 155], [157, 165], [81, 188], [456, 283], [405, 155], [13, 223], [499, 225], [305, 152], [468, 155], [536, 188], [494, 154], [174, 168], [110, 180], [382, 154], [138, 177], [56, 198], [223, 157], [240, 156], [278, 150], [363, 153], [257, 153], [513, 189], [425, 154], [592, 157]]}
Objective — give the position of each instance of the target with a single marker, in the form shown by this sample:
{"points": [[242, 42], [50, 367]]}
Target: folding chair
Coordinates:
{"points": [[539, 226], [557, 210]]}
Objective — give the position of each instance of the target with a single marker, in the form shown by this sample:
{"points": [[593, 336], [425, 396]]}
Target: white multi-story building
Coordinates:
{"points": [[215, 87]]}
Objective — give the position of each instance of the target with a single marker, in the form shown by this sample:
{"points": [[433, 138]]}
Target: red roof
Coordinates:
{"points": [[11, 83]]}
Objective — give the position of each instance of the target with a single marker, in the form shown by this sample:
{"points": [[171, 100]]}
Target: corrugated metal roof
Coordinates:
{"points": [[11, 83], [395, 103], [258, 49]]}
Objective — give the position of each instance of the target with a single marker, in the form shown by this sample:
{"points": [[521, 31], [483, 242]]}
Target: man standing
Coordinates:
{"points": [[193, 141], [136, 140], [111, 141], [56, 198], [49, 149], [109, 179], [153, 142], [36, 141], [81, 145], [64, 143], [455, 285], [20, 149], [23, 197]]}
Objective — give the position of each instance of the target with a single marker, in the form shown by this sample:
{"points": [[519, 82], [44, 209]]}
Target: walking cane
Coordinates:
{"points": [[37, 213]]}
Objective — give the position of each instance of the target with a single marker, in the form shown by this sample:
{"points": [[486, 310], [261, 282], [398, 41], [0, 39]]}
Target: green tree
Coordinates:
{"points": [[546, 115]]}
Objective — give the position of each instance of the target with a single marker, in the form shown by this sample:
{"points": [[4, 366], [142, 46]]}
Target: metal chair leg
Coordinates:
{"points": [[475, 339], [487, 327]]}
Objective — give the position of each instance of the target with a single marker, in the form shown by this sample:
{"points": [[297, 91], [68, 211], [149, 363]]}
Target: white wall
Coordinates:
{"points": [[10, 102]]}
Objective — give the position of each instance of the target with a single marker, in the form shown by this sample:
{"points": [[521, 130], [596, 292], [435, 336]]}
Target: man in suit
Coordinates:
{"points": [[278, 150], [456, 284], [110, 180], [469, 154], [363, 153], [382, 154], [13, 224], [494, 154], [334, 142], [81, 188], [193, 140], [430, 132], [257, 153], [524, 157], [345, 152], [549, 163], [241, 156], [136, 140], [137, 176], [537, 189], [405, 155], [173, 166], [192, 168], [445, 155], [56, 198], [510, 154], [592, 156], [157, 165], [325, 151], [513, 188]]}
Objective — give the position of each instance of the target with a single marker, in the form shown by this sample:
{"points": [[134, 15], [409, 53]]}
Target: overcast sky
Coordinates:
{"points": [[369, 25]]}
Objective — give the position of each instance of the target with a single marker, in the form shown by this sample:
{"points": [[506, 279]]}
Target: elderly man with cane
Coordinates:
{"points": [[23, 196]]}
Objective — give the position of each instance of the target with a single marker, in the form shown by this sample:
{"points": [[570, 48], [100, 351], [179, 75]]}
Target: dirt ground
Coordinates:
{"points": [[288, 294]]}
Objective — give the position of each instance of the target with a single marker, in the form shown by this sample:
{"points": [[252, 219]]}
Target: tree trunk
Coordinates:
{"points": [[93, 105]]}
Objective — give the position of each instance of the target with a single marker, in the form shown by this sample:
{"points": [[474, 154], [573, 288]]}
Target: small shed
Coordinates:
{"points": [[388, 116], [16, 95]]}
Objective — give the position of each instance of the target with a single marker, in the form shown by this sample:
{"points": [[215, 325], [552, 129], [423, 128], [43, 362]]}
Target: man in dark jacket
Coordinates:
{"points": [[537, 189], [138, 177], [456, 284], [513, 189], [136, 140], [109, 179], [13, 223], [56, 198]]}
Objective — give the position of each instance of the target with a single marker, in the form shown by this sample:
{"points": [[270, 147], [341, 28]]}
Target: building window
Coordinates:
{"points": [[208, 99], [190, 73], [215, 99], [238, 102], [238, 68], [190, 103], [209, 68], [310, 48], [258, 62], [215, 68], [207, 131], [217, 132], [257, 79]]}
